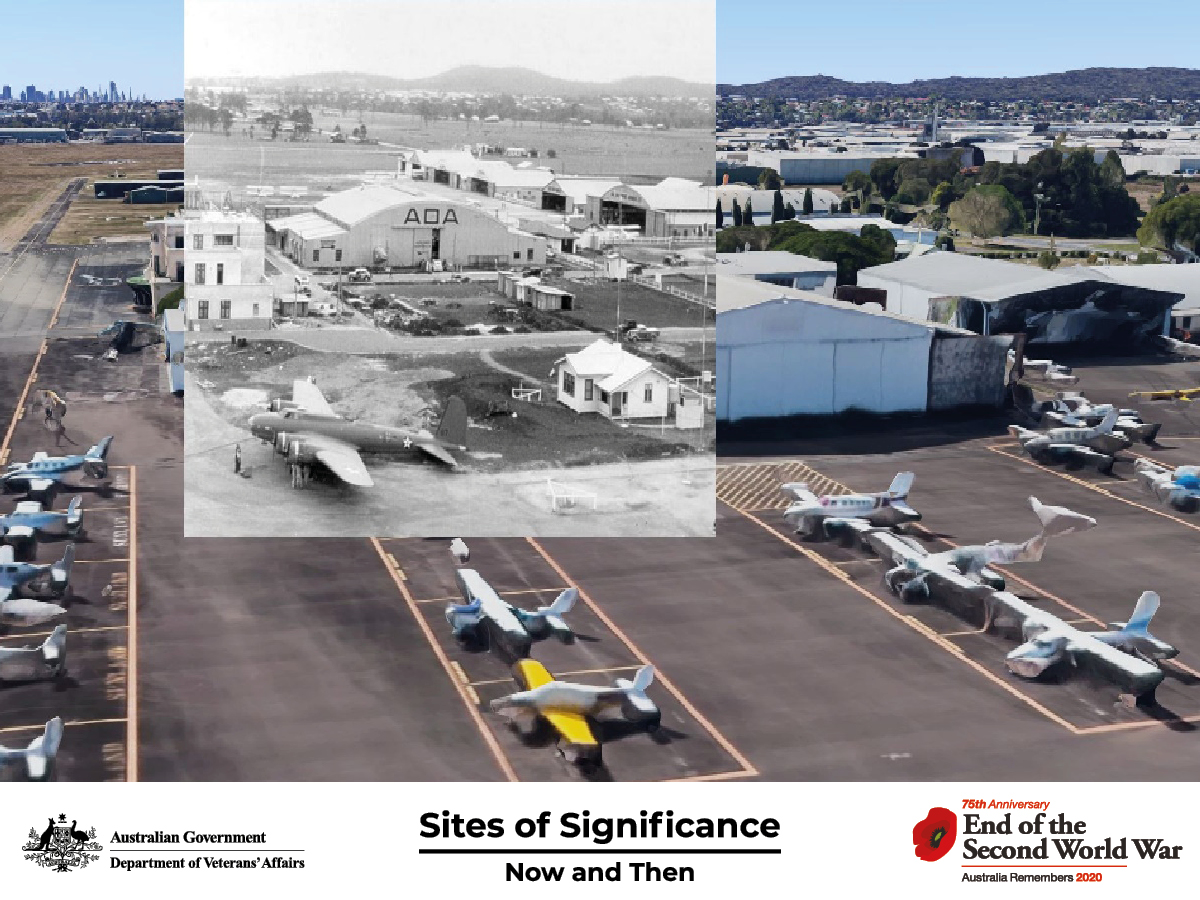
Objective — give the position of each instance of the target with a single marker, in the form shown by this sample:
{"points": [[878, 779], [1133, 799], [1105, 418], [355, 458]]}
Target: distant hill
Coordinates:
{"points": [[1086, 85], [484, 79]]}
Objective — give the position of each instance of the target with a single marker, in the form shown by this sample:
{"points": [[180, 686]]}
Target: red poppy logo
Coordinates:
{"points": [[934, 835]]}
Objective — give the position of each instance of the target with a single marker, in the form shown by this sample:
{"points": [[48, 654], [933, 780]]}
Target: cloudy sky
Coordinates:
{"points": [[586, 40]]}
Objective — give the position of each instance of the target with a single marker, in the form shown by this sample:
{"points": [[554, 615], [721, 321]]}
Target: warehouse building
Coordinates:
{"points": [[674, 208], [1075, 304], [569, 196], [781, 268], [785, 352], [378, 226], [33, 136]]}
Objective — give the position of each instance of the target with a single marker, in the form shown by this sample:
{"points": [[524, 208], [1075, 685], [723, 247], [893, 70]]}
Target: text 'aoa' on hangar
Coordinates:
{"points": [[374, 225]]}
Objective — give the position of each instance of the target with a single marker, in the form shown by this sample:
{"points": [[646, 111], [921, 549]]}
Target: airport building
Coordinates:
{"points": [[673, 208], [786, 352], [33, 136], [1074, 304], [605, 378], [781, 268], [376, 226]]}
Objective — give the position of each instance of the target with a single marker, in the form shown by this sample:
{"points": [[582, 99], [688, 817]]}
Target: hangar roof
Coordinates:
{"points": [[355, 205], [579, 189], [309, 226], [1180, 279], [770, 262]]}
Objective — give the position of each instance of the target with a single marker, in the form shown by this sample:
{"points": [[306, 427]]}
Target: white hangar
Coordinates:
{"points": [[786, 352], [374, 226]]}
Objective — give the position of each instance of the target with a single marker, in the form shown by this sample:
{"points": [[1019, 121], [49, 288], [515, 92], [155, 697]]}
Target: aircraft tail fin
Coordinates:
{"points": [[1058, 519], [1143, 612], [100, 451], [54, 648], [75, 510], [901, 485], [643, 679], [453, 427], [1109, 422], [61, 570], [40, 753], [562, 604]]}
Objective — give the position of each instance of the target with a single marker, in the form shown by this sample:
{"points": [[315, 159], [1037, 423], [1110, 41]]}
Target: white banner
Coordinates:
{"points": [[507, 840]]}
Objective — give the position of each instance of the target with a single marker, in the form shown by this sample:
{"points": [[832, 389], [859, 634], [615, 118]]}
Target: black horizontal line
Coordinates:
{"points": [[724, 851]]}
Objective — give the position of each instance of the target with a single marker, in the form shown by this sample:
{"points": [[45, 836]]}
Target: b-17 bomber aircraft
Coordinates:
{"points": [[46, 660], [1099, 444], [44, 471], [1179, 487], [15, 575], [808, 513], [1072, 409], [30, 519], [486, 617], [307, 431], [1125, 654], [567, 706], [914, 566], [37, 759]]}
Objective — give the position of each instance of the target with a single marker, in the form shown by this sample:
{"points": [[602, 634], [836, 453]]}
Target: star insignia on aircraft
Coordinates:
{"points": [[407, 443]]}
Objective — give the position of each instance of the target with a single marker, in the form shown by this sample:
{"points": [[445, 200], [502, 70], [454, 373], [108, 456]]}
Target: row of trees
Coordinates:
{"points": [[873, 246], [780, 211]]}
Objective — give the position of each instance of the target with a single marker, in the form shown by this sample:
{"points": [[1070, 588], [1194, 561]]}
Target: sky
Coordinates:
{"points": [[900, 40], [69, 44], [585, 40]]}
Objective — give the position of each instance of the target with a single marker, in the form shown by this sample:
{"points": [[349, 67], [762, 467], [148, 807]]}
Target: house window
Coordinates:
{"points": [[179, 271], [154, 237], [604, 397], [649, 398], [197, 242], [223, 240], [529, 253], [337, 255], [199, 273], [587, 388], [220, 273], [517, 255], [179, 242], [202, 309], [316, 255], [568, 384], [256, 310], [226, 309]]}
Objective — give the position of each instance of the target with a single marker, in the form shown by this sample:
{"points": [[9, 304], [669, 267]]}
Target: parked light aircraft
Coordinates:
{"points": [[1045, 370], [1072, 409], [43, 471], [809, 512], [486, 617], [1099, 444], [37, 758], [566, 706], [14, 575], [29, 519], [914, 565], [46, 660], [307, 431], [1049, 640], [1179, 487], [1185, 394]]}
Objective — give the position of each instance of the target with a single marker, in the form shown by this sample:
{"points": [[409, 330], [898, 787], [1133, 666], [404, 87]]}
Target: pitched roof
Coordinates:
{"points": [[609, 362]]}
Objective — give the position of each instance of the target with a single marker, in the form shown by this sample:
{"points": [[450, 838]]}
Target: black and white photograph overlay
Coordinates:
{"points": [[447, 268]]}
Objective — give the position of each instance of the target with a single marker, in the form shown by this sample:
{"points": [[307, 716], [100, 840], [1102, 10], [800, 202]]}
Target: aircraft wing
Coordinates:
{"points": [[309, 396], [340, 458], [438, 452], [571, 727], [800, 492]]}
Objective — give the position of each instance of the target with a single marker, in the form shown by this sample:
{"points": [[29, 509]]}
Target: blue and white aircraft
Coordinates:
{"points": [[30, 519], [38, 757], [808, 513], [46, 660], [485, 616], [1179, 487], [44, 471], [15, 575]]}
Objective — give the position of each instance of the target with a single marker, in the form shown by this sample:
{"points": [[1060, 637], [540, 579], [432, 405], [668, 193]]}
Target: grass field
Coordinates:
{"points": [[33, 175], [89, 219]]}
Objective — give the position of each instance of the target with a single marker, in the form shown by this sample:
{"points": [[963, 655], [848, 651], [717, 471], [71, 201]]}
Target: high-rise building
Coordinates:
{"points": [[112, 92], [31, 94], [6, 93]]}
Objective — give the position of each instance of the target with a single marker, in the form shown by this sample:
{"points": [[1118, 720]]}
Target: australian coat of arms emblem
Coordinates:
{"points": [[61, 847]]}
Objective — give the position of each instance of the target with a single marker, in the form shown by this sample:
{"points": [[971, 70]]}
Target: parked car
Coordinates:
{"points": [[359, 275], [301, 281]]}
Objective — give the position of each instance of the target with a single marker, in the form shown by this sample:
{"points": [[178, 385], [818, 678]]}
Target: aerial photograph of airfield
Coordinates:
{"points": [[479, 303]]}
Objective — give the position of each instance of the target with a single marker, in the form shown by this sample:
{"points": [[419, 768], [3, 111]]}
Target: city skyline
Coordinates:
{"points": [[894, 42], [80, 48]]}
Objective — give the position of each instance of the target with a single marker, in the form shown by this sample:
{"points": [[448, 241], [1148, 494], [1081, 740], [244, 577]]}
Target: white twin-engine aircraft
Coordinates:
{"points": [[809, 513]]}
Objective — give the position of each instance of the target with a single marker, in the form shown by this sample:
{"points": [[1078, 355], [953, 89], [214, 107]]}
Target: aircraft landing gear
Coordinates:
{"points": [[301, 475]]}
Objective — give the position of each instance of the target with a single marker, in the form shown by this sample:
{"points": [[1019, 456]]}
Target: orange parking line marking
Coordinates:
{"points": [[45, 634], [718, 776], [131, 667], [20, 409], [472, 706], [660, 677], [63, 295]]}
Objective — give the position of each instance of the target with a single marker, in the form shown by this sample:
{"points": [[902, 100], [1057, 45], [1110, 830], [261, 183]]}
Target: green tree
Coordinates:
{"points": [[777, 210], [1175, 222], [720, 214], [789, 212], [737, 214], [987, 210], [942, 196], [748, 213], [769, 180], [857, 182], [1048, 259], [807, 206]]}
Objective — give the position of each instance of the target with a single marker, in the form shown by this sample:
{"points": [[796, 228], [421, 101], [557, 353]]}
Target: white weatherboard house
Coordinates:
{"points": [[606, 379]]}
